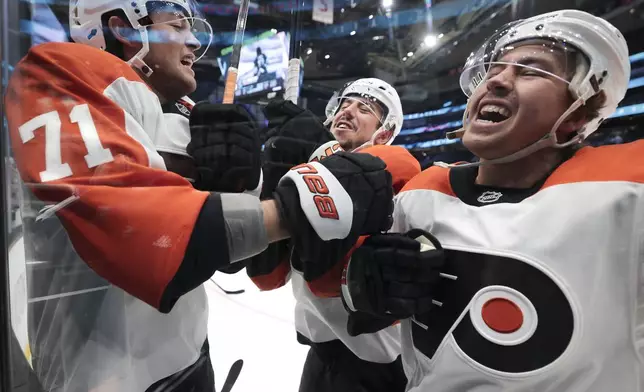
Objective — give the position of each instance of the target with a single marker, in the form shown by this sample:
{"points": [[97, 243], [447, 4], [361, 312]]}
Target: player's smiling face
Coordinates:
{"points": [[356, 122], [171, 55], [516, 106]]}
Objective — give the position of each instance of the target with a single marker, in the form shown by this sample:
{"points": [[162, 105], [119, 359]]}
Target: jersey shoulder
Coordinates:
{"points": [[62, 75], [619, 162], [400, 163], [434, 178], [70, 82], [65, 63]]}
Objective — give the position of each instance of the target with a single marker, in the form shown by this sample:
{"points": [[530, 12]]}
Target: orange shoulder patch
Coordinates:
{"points": [[620, 162], [400, 163], [433, 178]]}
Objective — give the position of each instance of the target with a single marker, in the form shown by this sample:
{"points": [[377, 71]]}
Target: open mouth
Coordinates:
{"points": [[344, 125], [492, 114], [187, 61]]}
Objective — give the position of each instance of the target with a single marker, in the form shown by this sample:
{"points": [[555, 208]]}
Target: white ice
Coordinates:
{"points": [[257, 327]]}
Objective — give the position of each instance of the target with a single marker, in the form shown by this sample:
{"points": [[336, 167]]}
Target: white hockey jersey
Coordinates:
{"points": [[549, 290], [177, 136]]}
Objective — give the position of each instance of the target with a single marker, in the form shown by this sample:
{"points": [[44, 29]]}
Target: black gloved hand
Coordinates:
{"points": [[261, 266], [225, 147], [394, 275], [292, 137], [327, 205], [281, 154], [359, 323], [289, 120]]}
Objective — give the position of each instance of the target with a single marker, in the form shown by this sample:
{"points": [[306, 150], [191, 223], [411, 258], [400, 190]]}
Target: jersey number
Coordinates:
{"points": [[324, 203], [55, 169]]}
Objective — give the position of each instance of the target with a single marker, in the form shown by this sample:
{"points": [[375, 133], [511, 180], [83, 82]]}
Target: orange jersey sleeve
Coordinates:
{"points": [[403, 167], [82, 127]]}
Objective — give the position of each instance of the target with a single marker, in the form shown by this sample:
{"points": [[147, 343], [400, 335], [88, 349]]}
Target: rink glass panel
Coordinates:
{"points": [[417, 46]]}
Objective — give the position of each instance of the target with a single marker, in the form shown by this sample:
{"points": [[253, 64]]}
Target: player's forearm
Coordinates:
{"points": [[250, 224], [240, 224], [230, 227], [244, 222], [274, 226]]}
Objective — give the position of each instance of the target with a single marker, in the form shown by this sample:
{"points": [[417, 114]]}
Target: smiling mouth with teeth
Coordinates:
{"points": [[493, 114], [344, 125]]}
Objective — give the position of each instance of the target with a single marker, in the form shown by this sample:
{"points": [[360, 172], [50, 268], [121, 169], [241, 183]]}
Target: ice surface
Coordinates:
{"points": [[257, 327]]}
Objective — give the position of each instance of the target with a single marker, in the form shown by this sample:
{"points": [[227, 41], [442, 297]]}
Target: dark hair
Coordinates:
{"points": [[593, 105], [112, 45], [589, 111]]}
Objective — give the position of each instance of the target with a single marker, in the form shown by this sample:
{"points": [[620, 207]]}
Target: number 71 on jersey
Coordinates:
{"points": [[55, 168]]}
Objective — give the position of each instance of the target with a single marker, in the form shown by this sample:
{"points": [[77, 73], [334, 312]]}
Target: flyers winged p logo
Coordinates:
{"points": [[505, 313]]}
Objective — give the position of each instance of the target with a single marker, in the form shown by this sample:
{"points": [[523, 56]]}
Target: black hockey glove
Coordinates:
{"points": [[266, 262], [359, 323], [394, 276], [282, 153], [225, 147], [293, 136], [286, 119], [327, 205]]}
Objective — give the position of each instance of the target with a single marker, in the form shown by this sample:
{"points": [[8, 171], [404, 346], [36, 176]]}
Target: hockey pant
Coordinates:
{"points": [[332, 367], [199, 376]]}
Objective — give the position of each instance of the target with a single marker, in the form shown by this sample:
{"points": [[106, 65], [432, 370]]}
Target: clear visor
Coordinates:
{"points": [[193, 32], [365, 104], [525, 58]]}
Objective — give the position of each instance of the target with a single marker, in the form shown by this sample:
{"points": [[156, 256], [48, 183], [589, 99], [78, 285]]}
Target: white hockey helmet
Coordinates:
{"points": [[86, 26], [601, 64], [375, 89]]}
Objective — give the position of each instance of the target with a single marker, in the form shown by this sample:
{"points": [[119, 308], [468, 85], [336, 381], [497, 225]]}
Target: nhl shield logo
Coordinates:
{"points": [[182, 108], [489, 197]]}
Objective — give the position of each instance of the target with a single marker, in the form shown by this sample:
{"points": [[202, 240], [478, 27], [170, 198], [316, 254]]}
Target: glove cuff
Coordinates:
{"points": [[258, 189], [347, 300], [325, 150]]}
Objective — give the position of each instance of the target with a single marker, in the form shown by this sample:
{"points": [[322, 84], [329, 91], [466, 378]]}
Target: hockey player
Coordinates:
{"points": [[540, 244], [129, 242], [366, 115], [365, 112]]}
